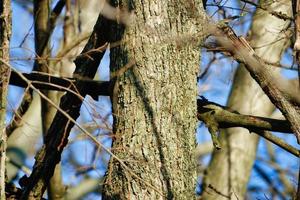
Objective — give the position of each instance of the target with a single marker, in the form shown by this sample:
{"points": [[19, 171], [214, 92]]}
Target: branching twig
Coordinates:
{"points": [[262, 74], [223, 117]]}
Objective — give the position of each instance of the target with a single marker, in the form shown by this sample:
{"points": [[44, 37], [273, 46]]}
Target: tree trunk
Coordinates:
{"points": [[5, 33], [154, 102], [229, 170], [90, 11]]}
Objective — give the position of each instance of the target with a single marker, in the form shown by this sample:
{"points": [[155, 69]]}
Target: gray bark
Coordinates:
{"points": [[5, 33], [154, 102]]}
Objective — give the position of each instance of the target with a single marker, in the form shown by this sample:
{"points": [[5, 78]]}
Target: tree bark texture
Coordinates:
{"points": [[229, 170], [5, 33], [154, 102]]}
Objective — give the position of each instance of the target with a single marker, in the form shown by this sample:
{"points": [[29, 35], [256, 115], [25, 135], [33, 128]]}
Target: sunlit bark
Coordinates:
{"points": [[154, 102], [230, 168]]}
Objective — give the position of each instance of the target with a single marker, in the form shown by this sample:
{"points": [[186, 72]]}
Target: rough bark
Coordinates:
{"points": [[213, 115], [5, 33], [154, 102], [229, 179]]}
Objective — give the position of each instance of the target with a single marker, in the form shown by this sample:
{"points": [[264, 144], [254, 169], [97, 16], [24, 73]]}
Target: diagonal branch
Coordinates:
{"points": [[224, 117], [94, 139], [41, 45], [261, 72], [45, 35], [57, 137]]}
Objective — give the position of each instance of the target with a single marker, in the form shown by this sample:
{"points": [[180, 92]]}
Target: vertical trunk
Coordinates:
{"points": [[154, 102], [229, 170], [90, 11], [5, 32], [41, 24], [26, 124], [58, 133]]}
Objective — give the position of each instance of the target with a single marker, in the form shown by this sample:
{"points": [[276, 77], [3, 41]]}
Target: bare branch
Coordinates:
{"points": [[57, 137], [213, 114], [50, 82], [261, 72], [226, 118]]}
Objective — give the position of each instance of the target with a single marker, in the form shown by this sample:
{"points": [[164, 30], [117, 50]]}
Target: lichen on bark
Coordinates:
{"points": [[154, 102], [5, 33]]}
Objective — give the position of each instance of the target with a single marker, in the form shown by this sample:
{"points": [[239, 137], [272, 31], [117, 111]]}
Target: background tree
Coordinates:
{"points": [[269, 37]]}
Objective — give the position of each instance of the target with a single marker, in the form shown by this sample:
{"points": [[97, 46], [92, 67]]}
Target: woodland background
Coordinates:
{"points": [[273, 172]]}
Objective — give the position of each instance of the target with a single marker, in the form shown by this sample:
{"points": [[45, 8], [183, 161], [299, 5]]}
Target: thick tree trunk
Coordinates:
{"points": [[154, 102], [5, 33], [229, 170]]}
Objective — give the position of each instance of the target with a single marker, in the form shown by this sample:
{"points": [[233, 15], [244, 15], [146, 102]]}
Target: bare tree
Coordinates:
{"points": [[154, 53]]}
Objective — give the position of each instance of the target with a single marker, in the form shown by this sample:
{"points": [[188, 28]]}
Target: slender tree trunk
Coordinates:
{"points": [[5, 33], [229, 170], [154, 102], [27, 129], [89, 13], [30, 120]]}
